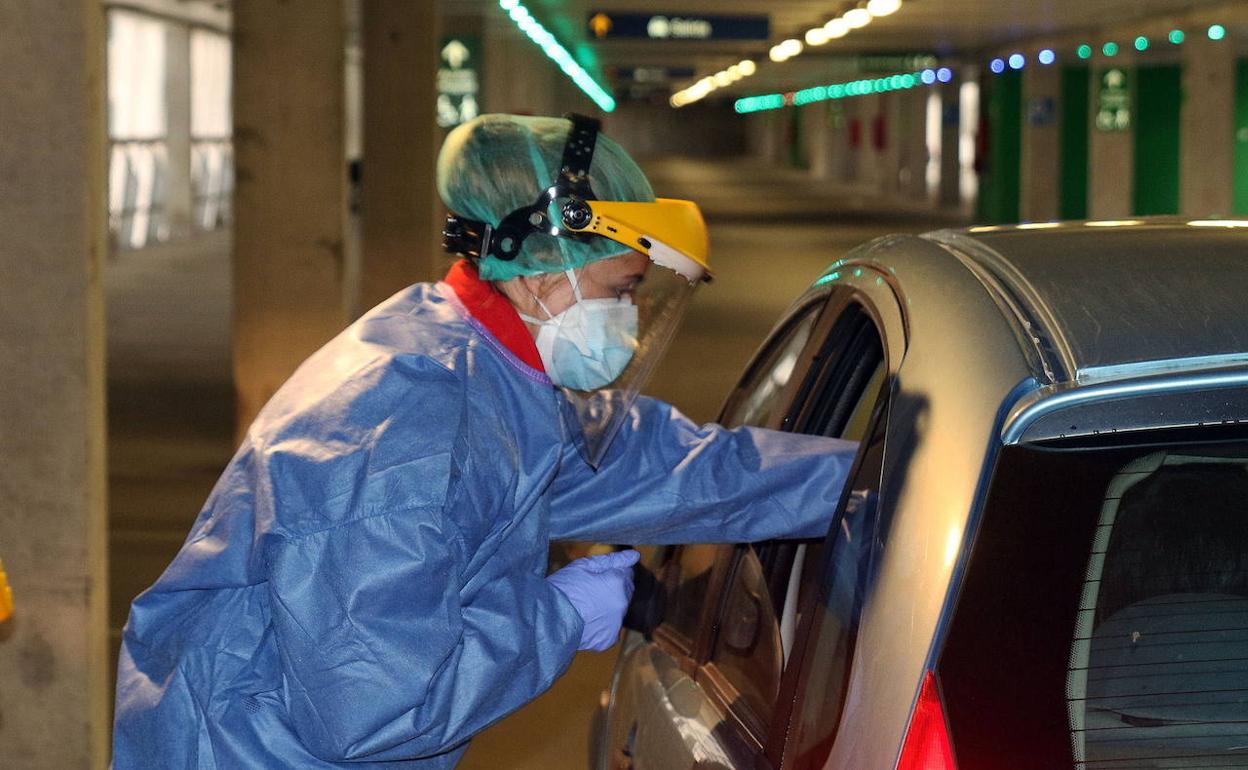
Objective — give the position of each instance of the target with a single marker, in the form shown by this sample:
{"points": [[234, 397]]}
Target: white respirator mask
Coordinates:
{"points": [[587, 346]]}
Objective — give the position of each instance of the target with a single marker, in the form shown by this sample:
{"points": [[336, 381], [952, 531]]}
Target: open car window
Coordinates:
{"points": [[768, 581]]}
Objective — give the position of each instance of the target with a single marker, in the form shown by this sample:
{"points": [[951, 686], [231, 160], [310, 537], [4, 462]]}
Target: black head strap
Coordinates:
{"points": [[473, 239]]}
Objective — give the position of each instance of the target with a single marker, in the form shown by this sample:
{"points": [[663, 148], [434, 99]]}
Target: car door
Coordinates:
{"points": [[705, 691]]}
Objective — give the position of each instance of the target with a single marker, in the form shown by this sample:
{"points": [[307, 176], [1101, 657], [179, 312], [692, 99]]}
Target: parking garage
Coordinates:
{"points": [[197, 195]]}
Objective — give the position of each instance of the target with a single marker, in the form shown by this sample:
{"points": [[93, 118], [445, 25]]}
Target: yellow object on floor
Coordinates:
{"points": [[6, 596]]}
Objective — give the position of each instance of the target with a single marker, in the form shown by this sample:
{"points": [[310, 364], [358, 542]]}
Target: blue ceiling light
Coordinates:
{"points": [[1047, 56], [928, 76], [1017, 61], [557, 53], [944, 74], [997, 66]]}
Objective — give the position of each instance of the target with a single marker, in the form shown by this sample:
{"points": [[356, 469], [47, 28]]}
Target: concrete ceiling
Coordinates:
{"points": [[946, 27]]}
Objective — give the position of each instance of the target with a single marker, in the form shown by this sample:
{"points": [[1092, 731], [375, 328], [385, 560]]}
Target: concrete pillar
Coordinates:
{"points": [[913, 143], [290, 197], [841, 161], [1111, 159], [400, 239], [947, 195], [517, 78], [54, 663], [1040, 196], [865, 109], [816, 136], [767, 136], [179, 201], [1207, 157], [893, 112]]}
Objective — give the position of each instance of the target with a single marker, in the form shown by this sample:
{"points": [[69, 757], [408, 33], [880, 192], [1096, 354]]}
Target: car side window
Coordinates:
{"points": [[690, 572], [759, 611], [836, 582], [756, 398]]}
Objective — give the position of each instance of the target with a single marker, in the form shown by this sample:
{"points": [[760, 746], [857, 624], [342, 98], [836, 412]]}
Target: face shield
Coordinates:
{"points": [[602, 349]]}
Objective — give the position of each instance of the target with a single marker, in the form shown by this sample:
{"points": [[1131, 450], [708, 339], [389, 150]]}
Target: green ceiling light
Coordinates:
{"points": [[1085, 51], [1217, 32], [1110, 49], [1141, 43], [899, 82], [557, 53], [1177, 37]]}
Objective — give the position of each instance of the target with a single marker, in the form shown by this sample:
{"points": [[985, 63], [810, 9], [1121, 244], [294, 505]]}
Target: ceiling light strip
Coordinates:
{"points": [[998, 66], [899, 82], [855, 17], [557, 53]]}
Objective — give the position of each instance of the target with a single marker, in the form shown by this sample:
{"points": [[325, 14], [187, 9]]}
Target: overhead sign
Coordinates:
{"points": [[677, 26], [1113, 101], [656, 75], [459, 85], [894, 63]]}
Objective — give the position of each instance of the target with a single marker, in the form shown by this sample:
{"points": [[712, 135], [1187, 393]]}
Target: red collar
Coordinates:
{"points": [[494, 311]]}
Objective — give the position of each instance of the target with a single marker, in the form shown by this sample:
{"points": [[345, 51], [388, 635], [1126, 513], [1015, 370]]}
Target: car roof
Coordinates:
{"points": [[1116, 299]]}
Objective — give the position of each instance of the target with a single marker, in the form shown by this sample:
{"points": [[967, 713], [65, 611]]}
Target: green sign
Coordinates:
{"points": [[881, 63], [459, 85], [1113, 101]]}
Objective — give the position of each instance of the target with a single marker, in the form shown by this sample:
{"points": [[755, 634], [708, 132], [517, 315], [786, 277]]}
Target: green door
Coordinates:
{"points": [[999, 181], [1159, 100], [1074, 142], [1241, 138]]}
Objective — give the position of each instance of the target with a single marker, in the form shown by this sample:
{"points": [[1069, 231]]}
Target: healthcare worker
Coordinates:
{"points": [[366, 585]]}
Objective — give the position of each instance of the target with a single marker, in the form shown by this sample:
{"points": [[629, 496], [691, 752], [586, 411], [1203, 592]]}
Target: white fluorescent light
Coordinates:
{"points": [[836, 28], [879, 8], [857, 18]]}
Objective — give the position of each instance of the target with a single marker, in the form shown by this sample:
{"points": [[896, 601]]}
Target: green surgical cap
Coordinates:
{"points": [[495, 164]]}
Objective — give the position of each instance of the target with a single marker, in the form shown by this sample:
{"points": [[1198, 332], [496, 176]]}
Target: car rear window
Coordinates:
{"points": [[1103, 619]]}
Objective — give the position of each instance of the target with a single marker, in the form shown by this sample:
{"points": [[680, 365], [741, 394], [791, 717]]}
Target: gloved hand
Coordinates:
{"points": [[600, 588]]}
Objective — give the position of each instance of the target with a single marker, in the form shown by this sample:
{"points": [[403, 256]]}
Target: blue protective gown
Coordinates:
{"points": [[366, 584]]}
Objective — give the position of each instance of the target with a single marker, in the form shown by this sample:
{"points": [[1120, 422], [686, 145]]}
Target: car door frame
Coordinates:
{"points": [[874, 288], [861, 283]]}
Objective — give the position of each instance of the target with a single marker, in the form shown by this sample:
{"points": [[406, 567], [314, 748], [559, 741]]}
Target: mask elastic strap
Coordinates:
{"points": [[576, 284], [576, 292]]}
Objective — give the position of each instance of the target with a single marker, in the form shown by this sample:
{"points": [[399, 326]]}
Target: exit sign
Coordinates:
{"points": [[681, 27]]}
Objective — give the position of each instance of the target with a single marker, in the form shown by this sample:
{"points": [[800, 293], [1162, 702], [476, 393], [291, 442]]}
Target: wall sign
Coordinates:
{"points": [[459, 84], [1113, 101], [677, 26]]}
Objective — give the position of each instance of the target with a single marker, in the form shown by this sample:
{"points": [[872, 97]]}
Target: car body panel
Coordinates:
{"points": [[925, 498], [997, 336], [1149, 291], [675, 725]]}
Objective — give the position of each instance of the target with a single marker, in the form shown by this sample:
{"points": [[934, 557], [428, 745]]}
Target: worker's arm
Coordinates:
{"points": [[666, 479]]}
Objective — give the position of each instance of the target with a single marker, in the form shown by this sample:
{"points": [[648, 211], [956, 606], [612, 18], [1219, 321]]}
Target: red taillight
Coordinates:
{"points": [[927, 745]]}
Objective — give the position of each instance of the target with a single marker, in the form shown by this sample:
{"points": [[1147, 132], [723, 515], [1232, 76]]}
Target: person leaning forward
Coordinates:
{"points": [[366, 585]]}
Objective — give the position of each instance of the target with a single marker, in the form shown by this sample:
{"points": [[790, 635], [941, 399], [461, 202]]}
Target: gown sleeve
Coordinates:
{"points": [[666, 480]]}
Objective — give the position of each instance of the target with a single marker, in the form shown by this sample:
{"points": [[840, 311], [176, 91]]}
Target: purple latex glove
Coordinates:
{"points": [[600, 588]]}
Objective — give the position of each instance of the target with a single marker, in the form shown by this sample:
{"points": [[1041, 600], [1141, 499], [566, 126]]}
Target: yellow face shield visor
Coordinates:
{"points": [[670, 232]]}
